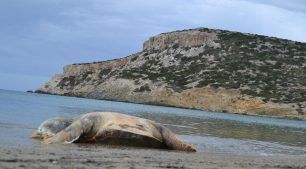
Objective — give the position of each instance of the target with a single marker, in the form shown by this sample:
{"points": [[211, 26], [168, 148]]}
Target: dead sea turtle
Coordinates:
{"points": [[109, 128]]}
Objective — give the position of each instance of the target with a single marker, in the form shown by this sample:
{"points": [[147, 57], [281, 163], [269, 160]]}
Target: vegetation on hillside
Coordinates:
{"points": [[270, 68]]}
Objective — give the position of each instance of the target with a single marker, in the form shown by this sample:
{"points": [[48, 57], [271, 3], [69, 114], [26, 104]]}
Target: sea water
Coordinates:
{"points": [[21, 113]]}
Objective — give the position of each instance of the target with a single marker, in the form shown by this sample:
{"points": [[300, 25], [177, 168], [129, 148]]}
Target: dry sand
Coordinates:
{"points": [[97, 156]]}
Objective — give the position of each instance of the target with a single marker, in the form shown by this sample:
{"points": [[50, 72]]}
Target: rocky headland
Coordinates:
{"points": [[207, 69]]}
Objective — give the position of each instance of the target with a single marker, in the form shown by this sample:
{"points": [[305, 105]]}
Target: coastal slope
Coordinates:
{"points": [[207, 69]]}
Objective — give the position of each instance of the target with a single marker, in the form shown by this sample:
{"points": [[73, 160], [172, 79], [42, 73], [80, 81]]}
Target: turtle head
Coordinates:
{"points": [[50, 127]]}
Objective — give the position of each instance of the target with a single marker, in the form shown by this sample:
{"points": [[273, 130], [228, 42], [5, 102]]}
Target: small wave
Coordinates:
{"points": [[180, 126]]}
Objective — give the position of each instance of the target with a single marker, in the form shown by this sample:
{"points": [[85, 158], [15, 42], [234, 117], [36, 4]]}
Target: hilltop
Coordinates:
{"points": [[207, 69]]}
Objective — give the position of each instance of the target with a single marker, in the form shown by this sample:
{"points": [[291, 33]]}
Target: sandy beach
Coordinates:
{"points": [[222, 140], [97, 156]]}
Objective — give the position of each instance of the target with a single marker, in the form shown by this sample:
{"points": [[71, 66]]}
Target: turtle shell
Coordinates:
{"points": [[120, 129]]}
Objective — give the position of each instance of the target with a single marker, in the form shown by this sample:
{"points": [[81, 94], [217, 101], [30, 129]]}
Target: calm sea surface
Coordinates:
{"points": [[21, 113]]}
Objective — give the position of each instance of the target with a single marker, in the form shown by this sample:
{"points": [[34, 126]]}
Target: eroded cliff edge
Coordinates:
{"points": [[212, 70]]}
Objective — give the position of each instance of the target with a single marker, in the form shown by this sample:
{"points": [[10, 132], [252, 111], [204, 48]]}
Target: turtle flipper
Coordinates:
{"points": [[71, 133], [172, 142]]}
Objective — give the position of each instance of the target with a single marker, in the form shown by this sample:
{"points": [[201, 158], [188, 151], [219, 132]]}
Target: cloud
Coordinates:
{"points": [[293, 5], [39, 37]]}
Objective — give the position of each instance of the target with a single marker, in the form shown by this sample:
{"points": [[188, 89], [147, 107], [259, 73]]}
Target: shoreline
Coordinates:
{"points": [[17, 150], [95, 156], [164, 105]]}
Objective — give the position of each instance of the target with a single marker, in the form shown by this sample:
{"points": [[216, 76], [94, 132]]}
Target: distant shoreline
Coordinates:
{"points": [[205, 69], [164, 105]]}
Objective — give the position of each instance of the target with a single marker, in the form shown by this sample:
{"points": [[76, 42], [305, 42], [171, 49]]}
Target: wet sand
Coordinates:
{"points": [[97, 156], [223, 140]]}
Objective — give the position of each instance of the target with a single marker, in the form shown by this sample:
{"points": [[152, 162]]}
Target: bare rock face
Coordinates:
{"points": [[183, 39], [212, 70]]}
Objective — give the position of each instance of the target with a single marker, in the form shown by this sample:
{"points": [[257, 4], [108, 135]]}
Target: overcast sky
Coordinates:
{"points": [[39, 37]]}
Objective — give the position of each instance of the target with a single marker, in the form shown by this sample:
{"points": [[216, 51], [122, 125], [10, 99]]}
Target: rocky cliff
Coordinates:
{"points": [[212, 70]]}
